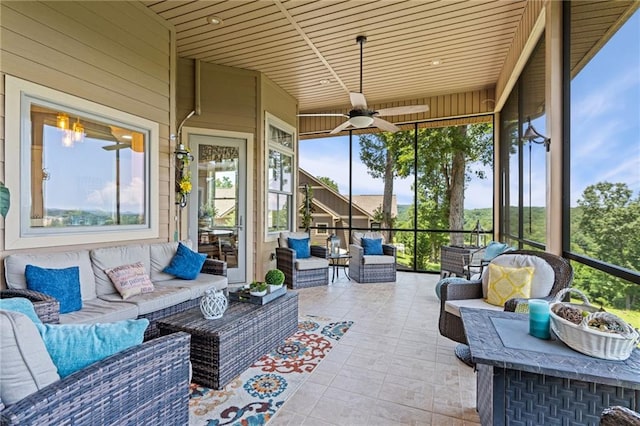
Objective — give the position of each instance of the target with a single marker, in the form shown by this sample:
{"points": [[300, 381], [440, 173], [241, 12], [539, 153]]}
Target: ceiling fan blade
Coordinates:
{"points": [[385, 125], [116, 146], [358, 100], [403, 110], [323, 115], [340, 128]]}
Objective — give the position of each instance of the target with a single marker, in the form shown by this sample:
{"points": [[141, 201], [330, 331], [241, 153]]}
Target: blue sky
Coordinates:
{"points": [[605, 131]]}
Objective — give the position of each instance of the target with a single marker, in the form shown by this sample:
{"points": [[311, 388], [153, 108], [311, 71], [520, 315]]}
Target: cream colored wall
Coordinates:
{"points": [[280, 104], [116, 54], [236, 100]]}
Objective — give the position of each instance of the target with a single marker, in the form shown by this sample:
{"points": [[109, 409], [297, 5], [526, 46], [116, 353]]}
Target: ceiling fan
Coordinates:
{"points": [[361, 116]]}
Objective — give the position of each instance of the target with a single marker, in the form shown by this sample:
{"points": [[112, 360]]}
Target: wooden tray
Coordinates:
{"points": [[244, 296]]}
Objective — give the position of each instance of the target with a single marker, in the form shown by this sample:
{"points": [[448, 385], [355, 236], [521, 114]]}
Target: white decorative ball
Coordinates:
{"points": [[213, 304]]}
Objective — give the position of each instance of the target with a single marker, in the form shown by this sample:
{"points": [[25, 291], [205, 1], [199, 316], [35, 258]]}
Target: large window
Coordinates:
{"points": [[280, 162], [84, 170], [603, 161], [404, 185], [524, 163]]}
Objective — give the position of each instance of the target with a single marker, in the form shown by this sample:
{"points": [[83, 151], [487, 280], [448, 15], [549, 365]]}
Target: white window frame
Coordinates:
{"points": [[18, 96], [272, 120], [324, 231]]}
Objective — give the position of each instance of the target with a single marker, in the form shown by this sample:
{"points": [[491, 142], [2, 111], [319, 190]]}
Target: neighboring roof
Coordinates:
{"points": [[372, 202], [318, 183]]}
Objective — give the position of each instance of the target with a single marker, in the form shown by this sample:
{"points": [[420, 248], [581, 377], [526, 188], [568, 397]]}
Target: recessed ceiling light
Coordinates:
{"points": [[214, 20], [324, 81], [436, 62]]}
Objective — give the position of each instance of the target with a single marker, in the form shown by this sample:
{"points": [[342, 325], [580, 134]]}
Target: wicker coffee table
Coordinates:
{"points": [[223, 348]]}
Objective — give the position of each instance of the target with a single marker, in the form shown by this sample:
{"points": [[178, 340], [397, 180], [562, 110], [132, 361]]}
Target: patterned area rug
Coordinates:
{"points": [[254, 397]]}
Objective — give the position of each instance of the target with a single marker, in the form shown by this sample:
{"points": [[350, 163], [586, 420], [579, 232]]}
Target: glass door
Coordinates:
{"points": [[217, 208]]}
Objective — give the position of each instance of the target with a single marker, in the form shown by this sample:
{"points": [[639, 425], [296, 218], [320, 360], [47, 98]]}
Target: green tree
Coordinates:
{"points": [[329, 182], [225, 182], [609, 223]]}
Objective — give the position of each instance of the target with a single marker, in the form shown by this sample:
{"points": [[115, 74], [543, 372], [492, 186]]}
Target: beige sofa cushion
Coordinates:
{"points": [[25, 364], [543, 275], [198, 286], [162, 297], [97, 310], [111, 257], [14, 266]]}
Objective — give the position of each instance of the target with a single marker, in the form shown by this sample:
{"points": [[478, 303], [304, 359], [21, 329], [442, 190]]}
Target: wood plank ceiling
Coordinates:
{"points": [[300, 43]]}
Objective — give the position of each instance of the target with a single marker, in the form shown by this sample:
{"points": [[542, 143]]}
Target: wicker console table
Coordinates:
{"points": [[534, 382], [223, 348]]}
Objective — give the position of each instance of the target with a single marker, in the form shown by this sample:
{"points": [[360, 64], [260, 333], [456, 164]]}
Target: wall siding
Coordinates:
{"points": [[117, 54]]}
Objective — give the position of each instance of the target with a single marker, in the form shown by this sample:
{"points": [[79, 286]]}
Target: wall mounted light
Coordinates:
{"points": [[532, 135], [78, 131], [62, 121]]}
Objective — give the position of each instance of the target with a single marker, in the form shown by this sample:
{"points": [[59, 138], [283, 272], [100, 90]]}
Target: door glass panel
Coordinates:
{"points": [[218, 183]]}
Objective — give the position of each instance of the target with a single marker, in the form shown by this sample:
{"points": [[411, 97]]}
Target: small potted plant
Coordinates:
{"points": [[275, 279], [258, 289]]}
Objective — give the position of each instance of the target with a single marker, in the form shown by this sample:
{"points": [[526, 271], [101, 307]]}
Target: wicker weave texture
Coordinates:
{"points": [[223, 348], [295, 279], [451, 325], [47, 308], [371, 273], [144, 385]]}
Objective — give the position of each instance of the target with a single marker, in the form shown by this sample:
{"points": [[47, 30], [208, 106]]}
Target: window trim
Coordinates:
{"points": [[322, 226], [18, 136], [272, 120]]}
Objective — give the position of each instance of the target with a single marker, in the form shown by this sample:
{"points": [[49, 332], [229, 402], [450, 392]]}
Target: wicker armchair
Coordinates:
{"points": [[450, 325], [371, 269], [145, 384], [302, 273], [619, 416]]}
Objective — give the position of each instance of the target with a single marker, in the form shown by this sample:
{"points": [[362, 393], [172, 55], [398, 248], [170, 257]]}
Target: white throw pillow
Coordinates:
{"points": [[25, 364], [543, 275]]}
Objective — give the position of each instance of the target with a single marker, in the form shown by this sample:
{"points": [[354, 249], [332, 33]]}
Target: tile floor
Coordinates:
{"points": [[391, 368]]}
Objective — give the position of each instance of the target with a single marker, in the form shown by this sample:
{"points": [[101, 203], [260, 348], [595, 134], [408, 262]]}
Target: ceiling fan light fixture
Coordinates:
{"points": [[361, 121]]}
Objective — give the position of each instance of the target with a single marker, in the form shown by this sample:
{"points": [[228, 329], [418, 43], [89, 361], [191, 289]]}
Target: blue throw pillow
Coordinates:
{"points": [[494, 249], [62, 284], [186, 263], [372, 246], [22, 305], [300, 246], [74, 346]]}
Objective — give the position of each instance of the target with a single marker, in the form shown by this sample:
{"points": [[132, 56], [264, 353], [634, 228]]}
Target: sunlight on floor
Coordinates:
{"points": [[391, 368]]}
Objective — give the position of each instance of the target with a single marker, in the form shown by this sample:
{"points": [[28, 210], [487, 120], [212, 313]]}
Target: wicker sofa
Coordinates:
{"points": [[145, 384], [100, 300]]}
